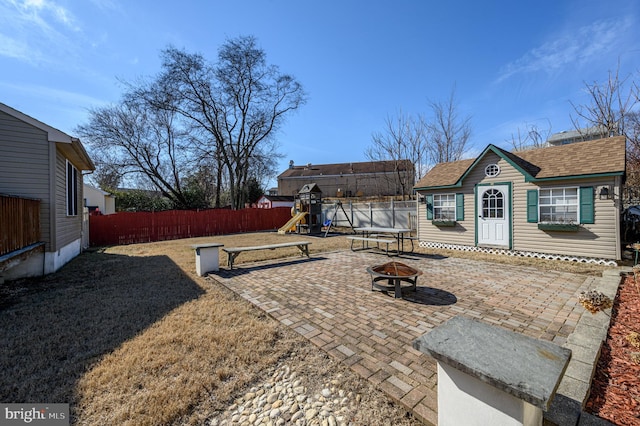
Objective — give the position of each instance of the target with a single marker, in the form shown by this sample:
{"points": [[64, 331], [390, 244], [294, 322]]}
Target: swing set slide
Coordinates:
{"points": [[290, 226]]}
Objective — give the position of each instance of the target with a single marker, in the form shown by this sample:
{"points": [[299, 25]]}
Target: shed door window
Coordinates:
{"points": [[72, 190], [493, 204]]}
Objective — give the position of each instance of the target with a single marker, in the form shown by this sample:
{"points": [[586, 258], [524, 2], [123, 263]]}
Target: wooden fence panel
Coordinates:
{"points": [[142, 227], [19, 223]]}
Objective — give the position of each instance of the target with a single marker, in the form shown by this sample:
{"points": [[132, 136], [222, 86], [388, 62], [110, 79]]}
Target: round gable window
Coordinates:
{"points": [[492, 170]]}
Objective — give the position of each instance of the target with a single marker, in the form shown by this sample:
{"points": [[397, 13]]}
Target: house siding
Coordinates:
{"points": [[68, 228], [24, 166], [591, 240]]}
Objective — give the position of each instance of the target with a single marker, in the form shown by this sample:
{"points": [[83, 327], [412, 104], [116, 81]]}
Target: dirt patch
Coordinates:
{"points": [[615, 388]]}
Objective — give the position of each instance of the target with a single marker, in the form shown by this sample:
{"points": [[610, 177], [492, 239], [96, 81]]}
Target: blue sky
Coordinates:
{"points": [[513, 63]]}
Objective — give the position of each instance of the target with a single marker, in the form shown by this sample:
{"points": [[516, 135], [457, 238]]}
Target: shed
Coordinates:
{"points": [[268, 201], [559, 202]]}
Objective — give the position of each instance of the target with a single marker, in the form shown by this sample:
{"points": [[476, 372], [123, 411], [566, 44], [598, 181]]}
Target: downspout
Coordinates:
{"points": [[53, 240], [617, 202]]}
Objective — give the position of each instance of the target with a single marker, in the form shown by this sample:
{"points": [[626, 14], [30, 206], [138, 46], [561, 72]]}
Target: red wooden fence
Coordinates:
{"points": [[143, 227], [19, 223]]}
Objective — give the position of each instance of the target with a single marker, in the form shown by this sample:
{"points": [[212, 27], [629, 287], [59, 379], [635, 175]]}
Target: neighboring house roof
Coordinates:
{"points": [[347, 168], [70, 146], [598, 157], [273, 198], [572, 136], [105, 193]]}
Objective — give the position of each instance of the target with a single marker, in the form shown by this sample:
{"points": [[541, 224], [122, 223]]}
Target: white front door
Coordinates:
{"points": [[493, 215]]}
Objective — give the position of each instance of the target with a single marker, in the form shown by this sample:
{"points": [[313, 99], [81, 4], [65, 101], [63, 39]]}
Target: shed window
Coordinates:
{"points": [[72, 190], [558, 205], [569, 205], [492, 170], [444, 206]]}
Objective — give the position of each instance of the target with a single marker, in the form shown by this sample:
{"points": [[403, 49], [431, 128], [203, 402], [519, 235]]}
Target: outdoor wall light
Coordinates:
{"points": [[605, 193]]}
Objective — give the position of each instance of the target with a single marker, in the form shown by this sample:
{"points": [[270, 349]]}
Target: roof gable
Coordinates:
{"points": [[70, 146], [53, 134], [580, 159], [274, 198], [310, 187]]}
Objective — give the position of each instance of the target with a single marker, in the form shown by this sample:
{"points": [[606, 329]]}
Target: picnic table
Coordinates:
{"points": [[382, 235]]}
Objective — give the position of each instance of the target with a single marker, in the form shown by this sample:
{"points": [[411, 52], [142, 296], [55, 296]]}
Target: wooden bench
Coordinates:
{"points": [[233, 252], [376, 240]]}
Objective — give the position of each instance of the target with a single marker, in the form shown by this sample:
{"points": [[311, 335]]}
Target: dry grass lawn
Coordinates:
{"points": [[130, 335]]}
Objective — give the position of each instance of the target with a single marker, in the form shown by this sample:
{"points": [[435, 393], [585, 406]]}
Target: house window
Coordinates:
{"points": [[72, 190], [444, 207], [558, 205]]}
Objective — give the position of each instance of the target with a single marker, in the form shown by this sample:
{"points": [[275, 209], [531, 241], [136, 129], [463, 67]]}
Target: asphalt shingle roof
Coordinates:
{"points": [[346, 168], [594, 157]]}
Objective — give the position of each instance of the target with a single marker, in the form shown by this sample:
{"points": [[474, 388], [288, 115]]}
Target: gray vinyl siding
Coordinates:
{"points": [[592, 240], [24, 166], [68, 228]]}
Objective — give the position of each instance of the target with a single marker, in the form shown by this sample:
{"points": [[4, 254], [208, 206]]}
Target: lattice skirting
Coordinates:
{"points": [[595, 260]]}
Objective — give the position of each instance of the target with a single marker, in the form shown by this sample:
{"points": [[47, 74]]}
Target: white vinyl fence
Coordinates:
{"points": [[393, 214]]}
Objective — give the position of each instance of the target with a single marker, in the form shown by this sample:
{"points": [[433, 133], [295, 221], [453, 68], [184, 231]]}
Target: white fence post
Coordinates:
{"points": [[393, 214]]}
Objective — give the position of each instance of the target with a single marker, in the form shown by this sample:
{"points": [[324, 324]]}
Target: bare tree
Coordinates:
{"points": [[532, 137], [403, 142], [609, 107], [240, 103], [135, 138], [632, 132], [611, 112], [448, 132]]}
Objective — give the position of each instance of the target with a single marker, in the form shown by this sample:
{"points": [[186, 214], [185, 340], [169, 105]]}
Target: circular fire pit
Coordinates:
{"points": [[395, 273]]}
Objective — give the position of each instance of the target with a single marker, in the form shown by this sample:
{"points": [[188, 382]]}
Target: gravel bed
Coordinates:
{"points": [[284, 399]]}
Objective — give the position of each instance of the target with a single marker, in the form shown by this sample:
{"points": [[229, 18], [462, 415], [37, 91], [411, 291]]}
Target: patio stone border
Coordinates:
{"points": [[585, 343]]}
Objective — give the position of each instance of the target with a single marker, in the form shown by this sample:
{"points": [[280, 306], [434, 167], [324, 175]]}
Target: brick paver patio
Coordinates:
{"points": [[328, 299]]}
